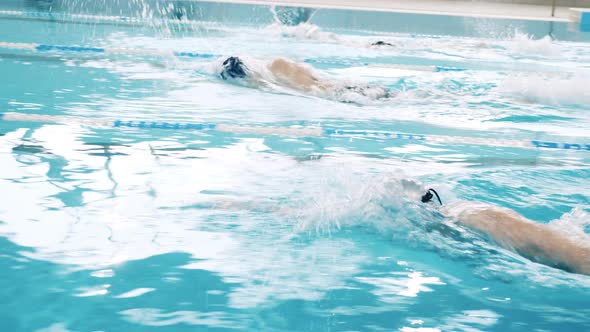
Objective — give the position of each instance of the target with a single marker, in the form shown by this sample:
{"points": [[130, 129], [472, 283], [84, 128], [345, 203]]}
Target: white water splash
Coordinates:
{"points": [[302, 31], [575, 224], [343, 200], [545, 89], [525, 45]]}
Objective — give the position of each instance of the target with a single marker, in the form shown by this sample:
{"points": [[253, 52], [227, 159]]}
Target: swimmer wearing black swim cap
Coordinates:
{"points": [[297, 76], [535, 241], [233, 67]]}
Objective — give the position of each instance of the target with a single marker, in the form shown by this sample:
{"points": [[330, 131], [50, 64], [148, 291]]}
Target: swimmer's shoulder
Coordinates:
{"points": [[280, 64]]}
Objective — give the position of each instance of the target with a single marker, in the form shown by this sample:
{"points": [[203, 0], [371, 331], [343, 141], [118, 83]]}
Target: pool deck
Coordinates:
{"points": [[434, 7]]}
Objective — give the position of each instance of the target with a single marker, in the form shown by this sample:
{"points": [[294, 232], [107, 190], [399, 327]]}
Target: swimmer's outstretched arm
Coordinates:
{"points": [[512, 231]]}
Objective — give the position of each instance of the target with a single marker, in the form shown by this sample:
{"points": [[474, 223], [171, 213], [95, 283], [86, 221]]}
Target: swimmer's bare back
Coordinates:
{"points": [[532, 240]]}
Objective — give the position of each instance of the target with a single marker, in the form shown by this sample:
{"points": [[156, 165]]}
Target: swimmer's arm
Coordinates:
{"points": [[532, 240], [235, 205], [294, 74], [554, 248]]}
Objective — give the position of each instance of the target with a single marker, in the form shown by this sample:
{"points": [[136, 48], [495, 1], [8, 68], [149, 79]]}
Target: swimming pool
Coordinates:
{"points": [[131, 229]]}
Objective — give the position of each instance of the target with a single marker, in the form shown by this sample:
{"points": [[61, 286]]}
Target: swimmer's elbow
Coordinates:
{"points": [[584, 266], [574, 261]]}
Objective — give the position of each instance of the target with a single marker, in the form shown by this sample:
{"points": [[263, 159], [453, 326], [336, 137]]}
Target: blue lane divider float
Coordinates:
{"points": [[343, 63], [297, 132], [103, 50], [442, 68], [196, 55], [416, 67], [163, 125], [42, 48]]}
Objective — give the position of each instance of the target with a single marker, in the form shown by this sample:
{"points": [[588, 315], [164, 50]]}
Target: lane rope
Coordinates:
{"points": [[103, 50], [296, 132], [415, 67], [194, 55]]}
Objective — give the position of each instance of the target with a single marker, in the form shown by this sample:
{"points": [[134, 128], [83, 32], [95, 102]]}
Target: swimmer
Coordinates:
{"points": [[537, 242], [296, 76], [382, 43]]}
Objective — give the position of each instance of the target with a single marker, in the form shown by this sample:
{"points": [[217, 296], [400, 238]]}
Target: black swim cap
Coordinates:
{"points": [[428, 196], [233, 67], [381, 43]]}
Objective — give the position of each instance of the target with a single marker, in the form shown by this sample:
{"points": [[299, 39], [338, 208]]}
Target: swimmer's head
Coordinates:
{"points": [[427, 197], [381, 43], [233, 67]]}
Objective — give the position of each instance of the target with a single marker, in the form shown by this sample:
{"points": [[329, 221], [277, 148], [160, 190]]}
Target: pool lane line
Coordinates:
{"points": [[103, 50], [415, 67], [428, 68], [297, 132], [182, 54]]}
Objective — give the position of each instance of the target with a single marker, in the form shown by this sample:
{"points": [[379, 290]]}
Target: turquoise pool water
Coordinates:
{"points": [[127, 229]]}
